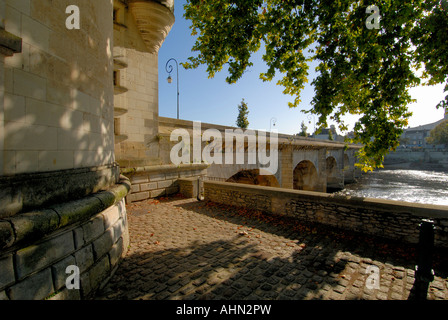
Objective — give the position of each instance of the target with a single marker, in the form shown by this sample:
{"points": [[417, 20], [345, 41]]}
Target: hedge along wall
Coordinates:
{"points": [[388, 219], [37, 247]]}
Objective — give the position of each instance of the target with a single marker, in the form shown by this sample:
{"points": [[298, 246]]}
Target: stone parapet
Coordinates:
{"points": [[156, 181], [383, 218], [37, 247]]}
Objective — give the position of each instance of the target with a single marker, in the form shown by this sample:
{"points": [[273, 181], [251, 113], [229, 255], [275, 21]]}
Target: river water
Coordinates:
{"points": [[430, 187]]}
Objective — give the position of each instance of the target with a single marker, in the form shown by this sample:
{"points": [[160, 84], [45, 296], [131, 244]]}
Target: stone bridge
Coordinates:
{"points": [[303, 163]]}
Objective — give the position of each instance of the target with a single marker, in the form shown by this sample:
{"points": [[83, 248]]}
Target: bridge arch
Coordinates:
{"points": [[305, 176], [259, 177]]}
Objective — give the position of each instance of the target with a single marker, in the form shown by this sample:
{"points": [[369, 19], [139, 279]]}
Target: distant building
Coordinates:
{"points": [[416, 137], [324, 134]]}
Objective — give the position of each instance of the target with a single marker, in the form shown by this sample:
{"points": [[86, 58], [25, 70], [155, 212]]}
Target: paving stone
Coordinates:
{"points": [[339, 289], [185, 249]]}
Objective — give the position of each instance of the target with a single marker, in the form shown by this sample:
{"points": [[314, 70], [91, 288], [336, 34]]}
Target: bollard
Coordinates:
{"points": [[200, 195], [424, 271]]}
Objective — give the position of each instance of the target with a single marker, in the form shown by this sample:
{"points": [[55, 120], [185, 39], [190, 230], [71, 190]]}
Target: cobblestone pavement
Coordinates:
{"points": [[185, 249]]}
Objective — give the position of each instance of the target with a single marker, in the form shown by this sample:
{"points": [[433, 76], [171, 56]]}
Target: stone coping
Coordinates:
{"points": [[32, 226], [26, 192], [164, 168], [50, 174], [283, 139], [416, 209]]}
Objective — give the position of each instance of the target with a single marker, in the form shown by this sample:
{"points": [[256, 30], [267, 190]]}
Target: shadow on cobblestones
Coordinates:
{"points": [[184, 249], [369, 246], [233, 269]]}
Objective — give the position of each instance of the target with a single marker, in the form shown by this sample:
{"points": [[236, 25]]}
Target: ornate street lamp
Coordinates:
{"points": [[169, 69]]}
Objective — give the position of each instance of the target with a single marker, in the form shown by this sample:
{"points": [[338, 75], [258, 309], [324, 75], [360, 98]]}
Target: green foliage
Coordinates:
{"points": [[330, 136], [303, 129], [439, 135], [361, 71], [243, 111]]}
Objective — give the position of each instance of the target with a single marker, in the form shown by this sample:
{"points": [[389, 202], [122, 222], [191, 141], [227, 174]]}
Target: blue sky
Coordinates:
{"points": [[215, 101]]}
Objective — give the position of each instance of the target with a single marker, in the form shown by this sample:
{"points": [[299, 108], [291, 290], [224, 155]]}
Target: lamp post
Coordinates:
{"points": [[169, 69]]}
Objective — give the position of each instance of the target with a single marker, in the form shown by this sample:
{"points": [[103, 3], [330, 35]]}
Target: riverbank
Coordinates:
{"points": [[443, 167], [432, 159]]}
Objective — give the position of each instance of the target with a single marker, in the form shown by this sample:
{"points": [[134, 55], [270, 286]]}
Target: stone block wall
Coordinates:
{"points": [[58, 93], [286, 162], [388, 219], [156, 181], [136, 78], [192, 187], [37, 247]]}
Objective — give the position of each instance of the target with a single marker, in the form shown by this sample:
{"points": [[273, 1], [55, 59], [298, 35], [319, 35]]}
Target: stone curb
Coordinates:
{"points": [[34, 225], [164, 168]]}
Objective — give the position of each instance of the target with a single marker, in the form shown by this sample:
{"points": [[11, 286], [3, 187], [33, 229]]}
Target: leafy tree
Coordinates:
{"points": [[243, 111], [330, 136], [439, 135], [362, 70], [303, 129]]}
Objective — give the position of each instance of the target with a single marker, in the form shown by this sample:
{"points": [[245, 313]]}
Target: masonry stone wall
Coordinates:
{"points": [[136, 73], [61, 194], [427, 155], [389, 219], [37, 247], [58, 95], [156, 181]]}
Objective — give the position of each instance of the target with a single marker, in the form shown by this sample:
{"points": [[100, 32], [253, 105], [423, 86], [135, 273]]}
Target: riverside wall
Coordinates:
{"points": [[383, 218]]}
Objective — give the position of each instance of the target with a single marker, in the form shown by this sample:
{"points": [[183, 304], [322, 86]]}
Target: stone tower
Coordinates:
{"points": [[75, 105], [70, 98], [142, 147], [140, 27]]}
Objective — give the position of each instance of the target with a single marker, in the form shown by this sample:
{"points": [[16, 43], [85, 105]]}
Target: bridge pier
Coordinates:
{"points": [[335, 169], [322, 183], [349, 167], [286, 167]]}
